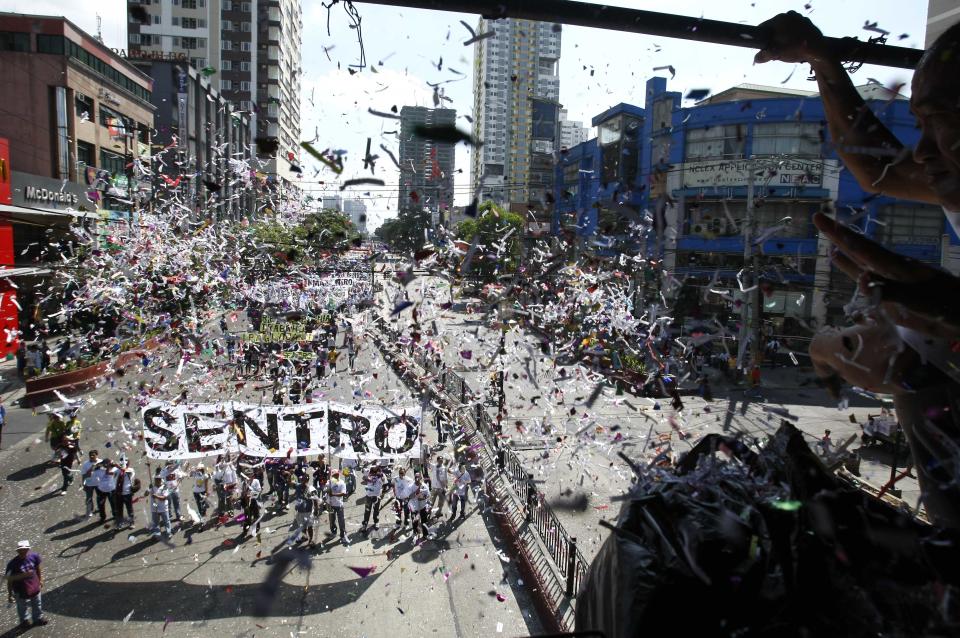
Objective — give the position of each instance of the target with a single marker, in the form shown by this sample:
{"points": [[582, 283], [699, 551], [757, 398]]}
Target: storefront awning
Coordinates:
{"points": [[25, 271], [43, 215]]}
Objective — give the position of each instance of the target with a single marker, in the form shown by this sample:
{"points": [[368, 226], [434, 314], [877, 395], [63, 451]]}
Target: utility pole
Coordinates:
{"points": [[748, 261]]}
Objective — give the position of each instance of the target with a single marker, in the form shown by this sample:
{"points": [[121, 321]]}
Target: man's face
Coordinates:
{"points": [[935, 101], [93, 457], [23, 551]]}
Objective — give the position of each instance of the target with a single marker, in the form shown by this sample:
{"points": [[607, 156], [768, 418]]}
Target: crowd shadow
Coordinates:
{"points": [[94, 524], [188, 602], [31, 472], [42, 498]]}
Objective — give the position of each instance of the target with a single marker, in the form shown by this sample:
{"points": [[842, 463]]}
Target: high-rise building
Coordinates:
{"points": [[250, 50], [941, 15], [516, 103], [571, 132], [356, 210], [426, 166]]}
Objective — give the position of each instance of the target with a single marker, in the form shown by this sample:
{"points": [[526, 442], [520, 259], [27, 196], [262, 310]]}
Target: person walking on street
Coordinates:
{"points": [[459, 494], [201, 488], [172, 476], [373, 487], [90, 480], [250, 499], [127, 486], [439, 484], [158, 507], [3, 421], [402, 491], [336, 491], [24, 584], [107, 475], [67, 453], [420, 508]]}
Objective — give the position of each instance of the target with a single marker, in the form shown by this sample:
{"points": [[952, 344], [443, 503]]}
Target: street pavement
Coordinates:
{"points": [[100, 581], [572, 446]]}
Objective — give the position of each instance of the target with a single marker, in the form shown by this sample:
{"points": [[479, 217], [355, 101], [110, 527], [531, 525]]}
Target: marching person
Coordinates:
{"points": [[419, 506], [24, 584], [373, 484], [107, 474], [336, 492], [172, 475], [250, 500], [459, 493], [201, 488], [402, 491], [127, 486], [90, 480], [67, 453], [439, 484], [158, 507]]}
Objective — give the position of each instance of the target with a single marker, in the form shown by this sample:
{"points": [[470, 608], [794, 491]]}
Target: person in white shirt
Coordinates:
{"points": [[158, 507], [225, 478], [125, 492], [402, 491], [172, 475], [90, 481], [439, 484], [336, 491], [305, 507], [106, 474], [250, 500], [373, 488], [201, 488], [419, 506], [459, 494]]}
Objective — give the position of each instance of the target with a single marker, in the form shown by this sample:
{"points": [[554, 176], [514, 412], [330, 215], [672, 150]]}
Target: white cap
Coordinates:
{"points": [[23, 545]]}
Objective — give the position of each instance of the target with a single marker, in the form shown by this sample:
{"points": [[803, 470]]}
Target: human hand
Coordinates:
{"points": [[913, 294], [790, 37]]}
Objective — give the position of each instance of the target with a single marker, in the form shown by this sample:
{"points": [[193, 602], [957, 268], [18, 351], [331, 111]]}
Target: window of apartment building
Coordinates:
{"points": [[226, 65], [189, 23], [111, 162], [245, 7], [244, 86], [198, 63], [83, 106], [227, 5], [715, 142], [189, 43], [245, 27], [226, 85], [787, 138], [176, 42], [156, 19], [910, 224], [227, 45], [86, 155], [226, 25], [245, 46], [50, 44], [244, 66], [188, 4], [176, 21], [134, 38]]}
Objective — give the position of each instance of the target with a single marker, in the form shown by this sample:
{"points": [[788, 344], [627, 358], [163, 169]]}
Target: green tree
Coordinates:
{"points": [[405, 233], [499, 232]]}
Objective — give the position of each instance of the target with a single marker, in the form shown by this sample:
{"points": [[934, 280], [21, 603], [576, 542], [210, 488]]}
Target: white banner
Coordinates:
{"points": [[190, 431], [767, 173]]}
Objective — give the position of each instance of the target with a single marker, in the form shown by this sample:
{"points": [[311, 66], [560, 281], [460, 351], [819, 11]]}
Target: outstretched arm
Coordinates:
{"points": [[873, 154]]}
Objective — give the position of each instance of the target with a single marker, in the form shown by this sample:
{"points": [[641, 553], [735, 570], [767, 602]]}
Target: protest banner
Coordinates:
{"points": [[189, 431]]}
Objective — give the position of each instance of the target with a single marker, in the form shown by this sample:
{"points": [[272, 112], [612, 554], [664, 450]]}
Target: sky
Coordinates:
{"points": [[403, 48]]}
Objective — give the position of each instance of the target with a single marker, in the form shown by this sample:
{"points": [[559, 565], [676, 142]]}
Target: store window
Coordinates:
{"points": [[86, 155], [716, 142], [798, 139], [83, 105]]}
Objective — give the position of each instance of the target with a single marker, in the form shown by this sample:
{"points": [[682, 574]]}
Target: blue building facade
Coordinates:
{"points": [[686, 173]]}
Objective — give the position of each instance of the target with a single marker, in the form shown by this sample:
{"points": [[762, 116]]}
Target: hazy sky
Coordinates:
{"points": [[404, 46]]}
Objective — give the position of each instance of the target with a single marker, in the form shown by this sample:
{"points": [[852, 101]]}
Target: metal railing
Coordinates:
{"points": [[538, 515]]}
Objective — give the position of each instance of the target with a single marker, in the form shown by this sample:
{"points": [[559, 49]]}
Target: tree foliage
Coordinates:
{"points": [[498, 232], [318, 232], [405, 233]]}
